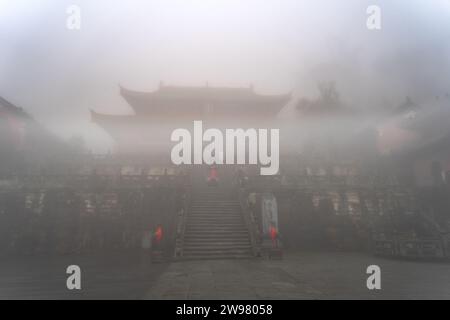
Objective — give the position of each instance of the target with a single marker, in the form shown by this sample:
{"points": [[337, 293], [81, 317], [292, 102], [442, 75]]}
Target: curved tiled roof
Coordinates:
{"points": [[219, 96]]}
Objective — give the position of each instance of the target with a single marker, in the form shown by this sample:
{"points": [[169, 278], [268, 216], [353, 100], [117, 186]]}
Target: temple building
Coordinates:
{"points": [[156, 114]]}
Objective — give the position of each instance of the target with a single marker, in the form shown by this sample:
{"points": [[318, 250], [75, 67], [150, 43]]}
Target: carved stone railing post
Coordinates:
{"points": [[181, 222], [251, 222]]}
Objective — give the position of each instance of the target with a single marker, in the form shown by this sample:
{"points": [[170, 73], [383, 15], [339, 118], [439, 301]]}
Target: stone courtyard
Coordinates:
{"points": [[300, 275]]}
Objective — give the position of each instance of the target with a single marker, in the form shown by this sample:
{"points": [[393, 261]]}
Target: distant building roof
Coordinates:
{"points": [[11, 108], [168, 98]]}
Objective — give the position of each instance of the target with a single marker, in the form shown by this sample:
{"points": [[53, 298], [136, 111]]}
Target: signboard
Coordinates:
{"points": [[269, 210]]}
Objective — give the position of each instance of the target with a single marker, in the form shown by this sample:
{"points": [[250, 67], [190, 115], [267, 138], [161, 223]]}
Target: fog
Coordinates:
{"points": [[57, 74]]}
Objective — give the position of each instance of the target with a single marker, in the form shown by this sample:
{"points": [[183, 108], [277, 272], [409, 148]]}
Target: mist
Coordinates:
{"points": [[58, 75], [224, 149]]}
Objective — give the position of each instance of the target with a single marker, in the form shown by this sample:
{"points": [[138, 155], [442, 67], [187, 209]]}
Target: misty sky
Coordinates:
{"points": [[279, 45]]}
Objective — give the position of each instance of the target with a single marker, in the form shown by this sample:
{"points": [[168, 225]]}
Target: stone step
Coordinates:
{"points": [[215, 195], [238, 236], [236, 219], [217, 251], [218, 231], [215, 227], [214, 221], [214, 202], [216, 217], [202, 221], [215, 214], [216, 257], [218, 254], [218, 245], [215, 209], [219, 193], [218, 240], [212, 210], [214, 198], [227, 215], [214, 205], [203, 237]]}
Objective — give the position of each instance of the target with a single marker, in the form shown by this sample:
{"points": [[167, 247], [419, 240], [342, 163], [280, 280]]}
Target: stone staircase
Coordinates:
{"points": [[215, 227]]}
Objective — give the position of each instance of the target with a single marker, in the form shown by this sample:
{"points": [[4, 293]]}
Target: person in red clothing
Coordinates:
{"points": [[274, 236], [213, 177], [158, 234], [157, 249]]}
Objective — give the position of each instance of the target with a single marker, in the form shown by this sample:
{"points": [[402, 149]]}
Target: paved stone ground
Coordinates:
{"points": [[303, 276], [107, 276], [300, 275]]}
